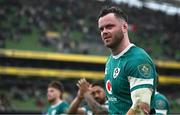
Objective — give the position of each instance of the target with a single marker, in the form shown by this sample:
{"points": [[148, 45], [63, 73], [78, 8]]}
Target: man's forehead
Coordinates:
{"points": [[97, 87], [52, 88], [108, 20]]}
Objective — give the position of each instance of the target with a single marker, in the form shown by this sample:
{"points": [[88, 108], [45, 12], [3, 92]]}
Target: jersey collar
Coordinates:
{"points": [[55, 105], [123, 52]]}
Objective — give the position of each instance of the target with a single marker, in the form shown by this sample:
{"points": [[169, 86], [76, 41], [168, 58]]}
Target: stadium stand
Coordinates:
{"points": [[70, 27], [61, 26]]}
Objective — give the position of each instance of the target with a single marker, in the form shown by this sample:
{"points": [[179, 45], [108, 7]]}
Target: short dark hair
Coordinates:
{"points": [[118, 12], [56, 84]]}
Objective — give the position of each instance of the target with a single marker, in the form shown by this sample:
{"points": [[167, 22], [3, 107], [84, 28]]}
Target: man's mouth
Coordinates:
{"points": [[106, 38]]}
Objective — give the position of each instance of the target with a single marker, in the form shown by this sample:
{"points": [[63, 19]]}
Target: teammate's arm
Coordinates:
{"points": [[94, 105], [85, 87], [74, 106]]}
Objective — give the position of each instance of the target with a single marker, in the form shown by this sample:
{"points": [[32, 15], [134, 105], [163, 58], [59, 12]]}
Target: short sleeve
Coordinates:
{"points": [[161, 104], [141, 73]]}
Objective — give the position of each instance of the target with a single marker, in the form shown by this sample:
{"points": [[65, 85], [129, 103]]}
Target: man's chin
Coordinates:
{"points": [[50, 100], [100, 101], [108, 45]]}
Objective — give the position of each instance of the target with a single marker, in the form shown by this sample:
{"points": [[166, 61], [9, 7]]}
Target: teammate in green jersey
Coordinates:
{"points": [[160, 104], [94, 96], [130, 73], [54, 96]]}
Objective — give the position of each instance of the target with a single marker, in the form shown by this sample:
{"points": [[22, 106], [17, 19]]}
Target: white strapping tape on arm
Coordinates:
{"points": [[141, 95]]}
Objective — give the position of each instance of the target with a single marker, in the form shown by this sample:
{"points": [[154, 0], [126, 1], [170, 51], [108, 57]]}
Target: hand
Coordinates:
{"points": [[83, 86], [145, 108]]}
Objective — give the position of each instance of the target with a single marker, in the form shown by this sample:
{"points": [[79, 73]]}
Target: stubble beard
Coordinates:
{"points": [[100, 101], [116, 41], [52, 100]]}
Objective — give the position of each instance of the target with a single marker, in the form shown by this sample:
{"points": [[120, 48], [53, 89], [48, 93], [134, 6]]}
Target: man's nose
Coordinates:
{"points": [[105, 30]]}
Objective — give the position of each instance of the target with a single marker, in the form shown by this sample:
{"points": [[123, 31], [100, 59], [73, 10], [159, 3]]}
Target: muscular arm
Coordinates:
{"points": [[94, 105], [74, 106], [85, 88]]}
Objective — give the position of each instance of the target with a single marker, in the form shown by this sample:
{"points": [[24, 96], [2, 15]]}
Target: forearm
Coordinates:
{"points": [[141, 99], [131, 112], [94, 105], [74, 105]]}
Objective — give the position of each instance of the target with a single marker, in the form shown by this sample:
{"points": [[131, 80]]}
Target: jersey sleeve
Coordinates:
{"points": [[141, 73]]}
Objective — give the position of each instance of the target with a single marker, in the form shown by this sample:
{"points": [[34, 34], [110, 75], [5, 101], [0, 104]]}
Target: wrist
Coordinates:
{"points": [[80, 97], [87, 93]]}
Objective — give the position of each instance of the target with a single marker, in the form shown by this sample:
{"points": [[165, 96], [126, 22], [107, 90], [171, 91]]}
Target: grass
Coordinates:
{"points": [[28, 105]]}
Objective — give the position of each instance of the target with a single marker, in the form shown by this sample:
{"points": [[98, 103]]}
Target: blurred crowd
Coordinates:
{"points": [[18, 94], [71, 26]]}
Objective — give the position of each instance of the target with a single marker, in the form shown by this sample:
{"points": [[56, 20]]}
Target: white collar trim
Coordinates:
{"points": [[123, 52], [53, 106]]}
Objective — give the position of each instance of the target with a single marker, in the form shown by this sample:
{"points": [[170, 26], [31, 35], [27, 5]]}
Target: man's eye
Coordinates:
{"points": [[100, 29]]}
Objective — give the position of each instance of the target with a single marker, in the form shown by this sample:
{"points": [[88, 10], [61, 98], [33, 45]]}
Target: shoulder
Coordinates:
{"points": [[137, 53], [64, 103], [159, 96], [138, 63], [136, 56], [62, 107]]}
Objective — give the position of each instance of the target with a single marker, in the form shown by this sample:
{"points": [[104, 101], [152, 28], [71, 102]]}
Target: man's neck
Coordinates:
{"points": [[124, 43], [56, 102]]}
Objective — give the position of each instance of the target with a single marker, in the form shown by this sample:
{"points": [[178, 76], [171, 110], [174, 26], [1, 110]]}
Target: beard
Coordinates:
{"points": [[100, 101], [52, 100], [115, 40]]}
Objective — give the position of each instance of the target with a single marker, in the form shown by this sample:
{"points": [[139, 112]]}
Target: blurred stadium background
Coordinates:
{"points": [[45, 40]]}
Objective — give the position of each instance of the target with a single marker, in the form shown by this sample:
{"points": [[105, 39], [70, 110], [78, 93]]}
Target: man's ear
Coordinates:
{"points": [[125, 27]]}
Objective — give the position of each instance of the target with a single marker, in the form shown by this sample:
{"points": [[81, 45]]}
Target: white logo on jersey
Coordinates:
{"points": [[116, 72], [109, 87]]}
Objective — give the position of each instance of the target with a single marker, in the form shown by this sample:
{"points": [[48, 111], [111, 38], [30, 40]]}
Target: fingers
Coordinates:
{"points": [[82, 82], [83, 85]]}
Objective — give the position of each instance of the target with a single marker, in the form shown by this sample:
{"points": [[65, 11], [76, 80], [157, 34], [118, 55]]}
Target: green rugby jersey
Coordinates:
{"points": [[130, 70], [58, 108], [160, 104]]}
